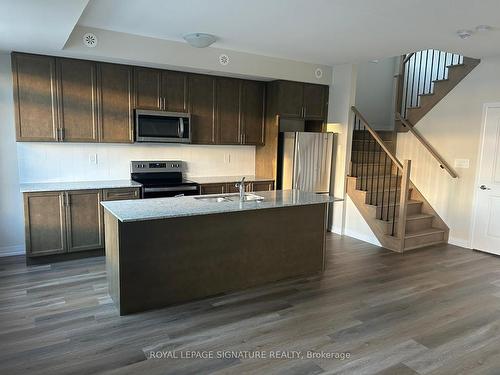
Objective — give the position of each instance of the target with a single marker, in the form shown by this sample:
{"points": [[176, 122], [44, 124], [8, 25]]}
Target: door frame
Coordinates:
{"points": [[479, 158]]}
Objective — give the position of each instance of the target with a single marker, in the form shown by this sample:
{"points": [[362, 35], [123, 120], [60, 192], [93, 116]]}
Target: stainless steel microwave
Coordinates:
{"points": [[160, 126]]}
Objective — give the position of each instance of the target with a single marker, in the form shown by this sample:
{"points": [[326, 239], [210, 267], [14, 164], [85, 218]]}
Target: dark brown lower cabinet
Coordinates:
{"points": [[45, 223], [84, 222], [230, 187], [67, 221], [262, 185]]}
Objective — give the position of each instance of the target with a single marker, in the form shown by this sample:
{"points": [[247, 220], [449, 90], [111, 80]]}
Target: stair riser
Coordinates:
{"points": [[425, 239], [412, 226], [384, 135], [369, 146], [363, 169], [369, 157], [412, 209], [366, 183], [375, 199]]}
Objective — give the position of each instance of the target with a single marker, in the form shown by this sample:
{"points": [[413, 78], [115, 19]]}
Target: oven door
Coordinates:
{"points": [[165, 127], [170, 191]]}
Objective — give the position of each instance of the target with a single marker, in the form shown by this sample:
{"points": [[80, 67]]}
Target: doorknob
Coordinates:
{"points": [[484, 187]]}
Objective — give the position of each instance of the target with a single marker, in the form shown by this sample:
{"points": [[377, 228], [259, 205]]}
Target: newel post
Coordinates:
{"points": [[403, 202]]}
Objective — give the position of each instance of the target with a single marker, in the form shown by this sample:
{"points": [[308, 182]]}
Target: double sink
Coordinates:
{"points": [[231, 198]]}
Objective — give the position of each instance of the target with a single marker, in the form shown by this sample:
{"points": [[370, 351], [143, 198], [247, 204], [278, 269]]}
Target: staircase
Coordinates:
{"points": [[380, 187], [426, 77]]}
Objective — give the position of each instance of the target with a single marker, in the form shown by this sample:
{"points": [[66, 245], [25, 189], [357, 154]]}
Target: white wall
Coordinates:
{"points": [[72, 162], [453, 128], [11, 218], [375, 92]]}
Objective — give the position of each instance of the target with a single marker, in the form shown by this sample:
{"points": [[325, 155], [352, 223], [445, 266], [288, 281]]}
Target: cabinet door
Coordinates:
{"points": [[252, 112], [35, 97], [120, 194], [315, 101], [202, 108], [77, 100], [174, 91], [228, 111], [290, 98], [115, 103], [212, 189], [44, 215], [263, 185], [147, 88], [84, 220]]}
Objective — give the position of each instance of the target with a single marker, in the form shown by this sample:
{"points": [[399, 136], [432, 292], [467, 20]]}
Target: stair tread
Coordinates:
{"points": [[413, 217], [424, 232]]}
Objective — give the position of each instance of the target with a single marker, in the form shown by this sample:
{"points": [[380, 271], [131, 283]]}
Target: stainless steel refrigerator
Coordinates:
{"points": [[306, 161]]}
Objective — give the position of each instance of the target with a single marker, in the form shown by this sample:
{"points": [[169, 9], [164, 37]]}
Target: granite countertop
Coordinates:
{"points": [[164, 208], [227, 179], [81, 185]]}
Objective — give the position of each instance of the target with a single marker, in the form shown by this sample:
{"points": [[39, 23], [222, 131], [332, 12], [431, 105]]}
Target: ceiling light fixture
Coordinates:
{"points": [[199, 40], [464, 34]]}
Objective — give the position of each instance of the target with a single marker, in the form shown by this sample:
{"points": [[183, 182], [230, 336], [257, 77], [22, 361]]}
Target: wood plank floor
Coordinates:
{"points": [[431, 311]]}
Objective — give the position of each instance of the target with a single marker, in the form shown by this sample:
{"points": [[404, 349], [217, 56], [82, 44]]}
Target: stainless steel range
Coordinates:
{"points": [[162, 178]]}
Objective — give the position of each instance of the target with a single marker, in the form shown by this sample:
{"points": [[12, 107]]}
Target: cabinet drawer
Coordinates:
{"points": [[212, 189], [120, 194]]}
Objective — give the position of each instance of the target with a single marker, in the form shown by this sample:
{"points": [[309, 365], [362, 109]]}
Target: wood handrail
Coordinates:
{"points": [[442, 163], [378, 139]]}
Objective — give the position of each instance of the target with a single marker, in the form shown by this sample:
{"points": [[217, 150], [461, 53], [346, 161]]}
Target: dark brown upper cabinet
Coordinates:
{"points": [[252, 112], [174, 91], [161, 90], [290, 98], [202, 108], [35, 98], [115, 103], [228, 95], [77, 100], [147, 88], [300, 100], [315, 101]]}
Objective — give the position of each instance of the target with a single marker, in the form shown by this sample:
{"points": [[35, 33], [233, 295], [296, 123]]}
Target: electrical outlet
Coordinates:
{"points": [[92, 158]]}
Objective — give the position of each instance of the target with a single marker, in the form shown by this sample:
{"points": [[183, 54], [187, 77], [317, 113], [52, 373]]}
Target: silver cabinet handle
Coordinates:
{"points": [[484, 187]]}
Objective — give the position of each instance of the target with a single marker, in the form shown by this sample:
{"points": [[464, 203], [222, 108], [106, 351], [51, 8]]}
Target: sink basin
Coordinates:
{"points": [[247, 197], [230, 198], [213, 199]]}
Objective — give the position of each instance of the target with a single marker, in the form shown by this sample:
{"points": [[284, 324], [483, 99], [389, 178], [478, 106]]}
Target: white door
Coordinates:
{"points": [[487, 220]]}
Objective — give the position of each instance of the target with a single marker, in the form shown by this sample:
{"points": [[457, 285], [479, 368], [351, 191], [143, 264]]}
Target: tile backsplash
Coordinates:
{"points": [[83, 162]]}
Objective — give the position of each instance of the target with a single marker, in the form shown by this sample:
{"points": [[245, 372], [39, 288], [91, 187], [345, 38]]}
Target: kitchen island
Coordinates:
{"points": [[166, 251]]}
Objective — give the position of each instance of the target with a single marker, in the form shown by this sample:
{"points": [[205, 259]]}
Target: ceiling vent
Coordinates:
{"points": [[318, 73], [224, 59], [90, 40]]}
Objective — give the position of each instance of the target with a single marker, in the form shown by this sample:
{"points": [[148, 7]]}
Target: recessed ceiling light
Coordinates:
{"points": [[483, 28], [199, 40], [464, 34]]}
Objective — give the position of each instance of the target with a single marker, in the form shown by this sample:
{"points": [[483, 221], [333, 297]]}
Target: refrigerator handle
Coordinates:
{"points": [[296, 181]]}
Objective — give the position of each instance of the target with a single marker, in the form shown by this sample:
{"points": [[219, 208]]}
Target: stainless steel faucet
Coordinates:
{"points": [[241, 186]]}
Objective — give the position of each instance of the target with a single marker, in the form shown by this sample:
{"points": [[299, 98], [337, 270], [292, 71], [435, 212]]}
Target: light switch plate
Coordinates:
{"points": [[461, 163]]}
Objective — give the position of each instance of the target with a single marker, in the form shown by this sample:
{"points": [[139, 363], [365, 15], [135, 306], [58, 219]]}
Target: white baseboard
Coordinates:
{"points": [[363, 237], [459, 242], [6, 251]]}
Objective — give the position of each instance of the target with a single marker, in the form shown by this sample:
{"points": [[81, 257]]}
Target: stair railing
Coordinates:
{"points": [[381, 174], [417, 73], [442, 163]]}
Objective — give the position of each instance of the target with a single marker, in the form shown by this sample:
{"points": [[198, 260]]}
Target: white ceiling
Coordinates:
{"points": [[38, 25], [318, 31]]}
